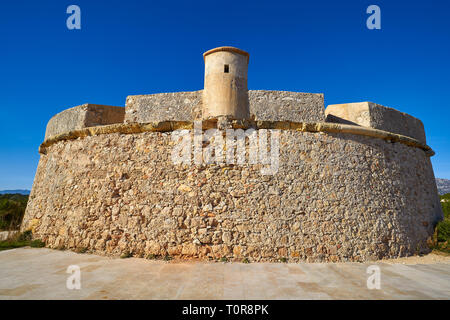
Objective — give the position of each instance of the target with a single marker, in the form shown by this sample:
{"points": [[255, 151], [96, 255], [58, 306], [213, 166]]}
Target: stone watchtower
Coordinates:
{"points": [[226, 93]]}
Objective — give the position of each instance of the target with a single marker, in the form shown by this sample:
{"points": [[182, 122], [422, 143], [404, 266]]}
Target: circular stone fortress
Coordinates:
{"points": [[353, 182]]}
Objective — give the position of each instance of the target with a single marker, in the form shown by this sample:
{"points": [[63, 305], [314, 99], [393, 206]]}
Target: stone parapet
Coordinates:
{"points": [[83, 116], [369, 114], [173, 106], [268, 105], [264, 105]]}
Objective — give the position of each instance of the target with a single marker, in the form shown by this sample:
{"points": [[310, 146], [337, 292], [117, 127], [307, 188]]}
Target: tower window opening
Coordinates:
{"points": [[226, 68]]}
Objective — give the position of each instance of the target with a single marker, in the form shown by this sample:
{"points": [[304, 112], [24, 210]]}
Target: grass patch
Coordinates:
{"points": [[167, 258], [37, 244], [21, 240], [126, 255], [82, 250], [9, 244]]}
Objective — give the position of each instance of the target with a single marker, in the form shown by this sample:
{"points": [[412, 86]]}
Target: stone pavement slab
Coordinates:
{"points": [[40, 273]]}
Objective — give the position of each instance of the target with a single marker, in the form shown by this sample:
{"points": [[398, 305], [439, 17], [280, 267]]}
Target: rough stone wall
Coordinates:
{"points": [[264, 105], [173, 106], [86, 115], [286, 106], [395, 121], [369, 114], [336, 197]]}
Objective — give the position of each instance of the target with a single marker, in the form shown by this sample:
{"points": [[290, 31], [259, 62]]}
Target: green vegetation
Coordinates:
{"points": [[81, 250], [167, 258], [442, 241], [21, 240], [446, 204], [126, 255], [12, 209]]}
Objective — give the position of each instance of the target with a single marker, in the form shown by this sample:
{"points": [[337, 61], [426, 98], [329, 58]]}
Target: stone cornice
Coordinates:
{"points": [[167, 126]]}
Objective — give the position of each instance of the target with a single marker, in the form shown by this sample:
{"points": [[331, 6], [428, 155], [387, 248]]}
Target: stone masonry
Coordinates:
{"points": [[264, 105], [376, 116], [83, 116], [335, 198], [355, 186]]}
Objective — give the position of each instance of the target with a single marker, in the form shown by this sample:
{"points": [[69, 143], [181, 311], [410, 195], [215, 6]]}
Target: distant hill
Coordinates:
{"points": [[443, 186], [19, 191]]}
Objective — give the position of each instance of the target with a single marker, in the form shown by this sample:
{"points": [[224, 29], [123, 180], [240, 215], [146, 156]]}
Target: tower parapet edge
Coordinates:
{"points": [[83, 116], [373, 115]]}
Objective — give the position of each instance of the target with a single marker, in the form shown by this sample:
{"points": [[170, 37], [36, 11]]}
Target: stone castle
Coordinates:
{"points": [[354, 182]]}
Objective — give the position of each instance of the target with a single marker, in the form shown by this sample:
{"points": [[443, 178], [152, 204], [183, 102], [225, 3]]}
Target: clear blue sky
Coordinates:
{"points": [[141, 47]]}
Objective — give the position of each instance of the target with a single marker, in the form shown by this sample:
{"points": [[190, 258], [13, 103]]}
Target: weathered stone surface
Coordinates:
{"points": [[264, 106], [166, 126], [225, 92], [86, 115], [369, 114], [175, 106], [335, 197], [286, 106], [107, 181]]}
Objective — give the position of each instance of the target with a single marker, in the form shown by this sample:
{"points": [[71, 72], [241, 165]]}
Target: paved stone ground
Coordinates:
{"points": [[28, 273]]}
